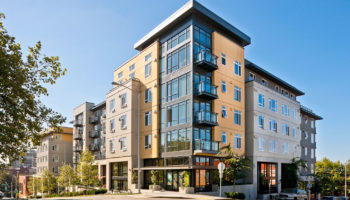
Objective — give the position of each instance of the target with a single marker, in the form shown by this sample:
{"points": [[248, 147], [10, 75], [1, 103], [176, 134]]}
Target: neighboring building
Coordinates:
{"points": [[23, 186], [29, 160], [55, 150], [308, 142], [272, 128], [89, 132]]}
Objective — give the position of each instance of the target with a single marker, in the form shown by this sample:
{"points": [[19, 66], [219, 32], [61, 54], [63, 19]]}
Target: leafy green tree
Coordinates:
{"points": [[48, 182], [6, 179], [67, 176], [23, 80], [34, 185], [290, 177], [236, 165], [330, 176], [87, 171]]}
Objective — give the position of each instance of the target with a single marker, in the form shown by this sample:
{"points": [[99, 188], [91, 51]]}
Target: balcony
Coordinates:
{"points": [[206, 60], [77, 148], [206, 146], [206, 118], [207, 91], [78, 122], [77, 136], [94, 119], [94, 133], [94, 147]]}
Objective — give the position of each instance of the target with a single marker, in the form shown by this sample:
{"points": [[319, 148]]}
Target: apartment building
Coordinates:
{"points": [[308, 142], [272, 128], [89, 133], [55, 150]]}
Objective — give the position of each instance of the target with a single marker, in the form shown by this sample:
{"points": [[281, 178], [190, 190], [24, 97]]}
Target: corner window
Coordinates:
{"points": [[148, 141], [238, 68], [148, 70], [238, 94], [148, 95], [238, 141], [223, 59], [224, 114], [148, 118], [223, 86], [223, 137], [238, 117]]}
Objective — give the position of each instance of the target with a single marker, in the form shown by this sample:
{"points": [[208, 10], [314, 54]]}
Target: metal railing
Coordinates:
{"points": [[207, 57], [206, 117], [78, 122], [206, 145], [94, 133], [208, 88], [93, 119]]}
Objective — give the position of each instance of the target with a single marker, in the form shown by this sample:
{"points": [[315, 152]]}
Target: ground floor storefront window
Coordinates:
{"points": [[119, 172], [267, 178]]}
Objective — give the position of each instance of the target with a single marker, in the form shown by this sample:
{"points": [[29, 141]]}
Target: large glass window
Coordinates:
{"points": [[178, 113], [272, 146], [178, 140], [112, 105], [178, 38], [176, 88], [178, 58], [202, 36], [267, 176], [148, 95]]}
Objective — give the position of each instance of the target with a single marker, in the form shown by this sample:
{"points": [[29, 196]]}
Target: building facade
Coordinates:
{"points": [[55, 150], [308, 142]]}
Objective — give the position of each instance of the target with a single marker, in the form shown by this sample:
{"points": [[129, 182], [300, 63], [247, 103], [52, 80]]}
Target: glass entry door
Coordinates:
{"points": [[202, 180], [172, 180]]}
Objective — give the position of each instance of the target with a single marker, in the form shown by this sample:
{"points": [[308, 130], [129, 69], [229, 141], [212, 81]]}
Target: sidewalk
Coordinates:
{"points": [[177, 195]]}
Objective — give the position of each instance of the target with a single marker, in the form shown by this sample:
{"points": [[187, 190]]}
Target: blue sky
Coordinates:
{"points": [[306, 43]]}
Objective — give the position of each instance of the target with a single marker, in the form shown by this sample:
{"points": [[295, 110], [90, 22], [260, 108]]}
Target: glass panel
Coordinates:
{"points": [[182, 112], [182, 86]]}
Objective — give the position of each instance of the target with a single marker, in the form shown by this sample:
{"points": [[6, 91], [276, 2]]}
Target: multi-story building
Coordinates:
{"points": [[55, 150], [272, 128], [308, 142], [89, 133], [29, 160]]}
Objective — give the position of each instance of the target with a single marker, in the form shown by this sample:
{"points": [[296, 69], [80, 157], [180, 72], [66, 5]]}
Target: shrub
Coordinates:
{"points": [[101, 191], [35, 197], [235, 195], [90, 192]]}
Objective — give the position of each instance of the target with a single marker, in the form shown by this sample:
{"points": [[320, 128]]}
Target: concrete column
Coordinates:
{"points": [[108, 176]]}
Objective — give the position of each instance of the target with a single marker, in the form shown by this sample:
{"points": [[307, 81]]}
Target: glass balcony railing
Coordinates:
{"points": [[207, 60], [94, 133], [78, 122], [77, 136], [206, 118], [206, 146], [206, 90], [93, 119]]}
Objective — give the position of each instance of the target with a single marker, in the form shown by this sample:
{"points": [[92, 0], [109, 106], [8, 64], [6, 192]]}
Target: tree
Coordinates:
{"points": [[290, 173], [330, 176], [23, 80], [87, 171], [67, 176], [48, 182], [6, 180], [34, 185], [236, 165]]}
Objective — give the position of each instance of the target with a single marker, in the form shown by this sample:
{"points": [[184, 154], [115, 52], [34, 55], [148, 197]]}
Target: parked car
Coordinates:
{"points": [[293, 193], [333, 198], [1, 195]]}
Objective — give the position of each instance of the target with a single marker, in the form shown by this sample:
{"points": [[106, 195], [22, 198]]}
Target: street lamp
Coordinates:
{"points": [[138, 134]]}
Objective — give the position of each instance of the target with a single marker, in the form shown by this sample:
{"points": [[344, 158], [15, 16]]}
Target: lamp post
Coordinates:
{"points": [[138, 134]]}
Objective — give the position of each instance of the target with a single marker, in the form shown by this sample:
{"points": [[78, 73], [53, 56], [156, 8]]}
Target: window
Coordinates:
{"points": [[132, 75], [224, 114], [58, 137], [238, 68], [306, 135], [251, 76], [238, 94], [261, 144], [123, 100], [285, 110], [277, 89], [294, 149], [202, 36], [178, 58], [122, 120], [263, 82], [223, 59], [223, 137], [261, 100], [120, 74], [178, 38], [182, 112], [131, 67], [272, 146], [111, 146], [122, 141], [294, 132], [148, 56], [294, 114], [238, 116], [178, 140], [223, 86], [148, 118], [273, 125], [305, 151], [267, 173], [273, 105], [238, 141], [312, 122], [148, 141], [313, 138], [54, 148], [285, 129], [55, 158], [261, 122], [285, 148], [312, 153], [112, 105], [112, 125], [177, 114], [148, 95], [148, 70], [312, 168], [182, 86]]}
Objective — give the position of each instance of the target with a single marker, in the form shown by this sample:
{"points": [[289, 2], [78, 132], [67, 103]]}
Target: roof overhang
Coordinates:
{"points": [[306, 111], [186, 10]]}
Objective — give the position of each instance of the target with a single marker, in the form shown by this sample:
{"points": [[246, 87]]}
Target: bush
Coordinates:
{"points": [[89, 192], [101, 191], [35, 197], [235, 195]]}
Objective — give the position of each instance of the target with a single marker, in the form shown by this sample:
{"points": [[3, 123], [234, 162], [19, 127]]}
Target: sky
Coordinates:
{"points": [[306, 43]]}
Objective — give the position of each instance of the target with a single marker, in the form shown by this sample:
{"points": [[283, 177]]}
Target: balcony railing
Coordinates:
{"points": [[206, 60], [94, 119], [77, 148], [206, 146], [94, 133], [77, 122], [77, 136], [206, 90], [206, 118], [94, 147]]}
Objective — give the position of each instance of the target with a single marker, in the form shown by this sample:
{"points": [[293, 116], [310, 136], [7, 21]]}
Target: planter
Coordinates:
{"points": [[186, 190], [215, 187], [155, 187]]}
